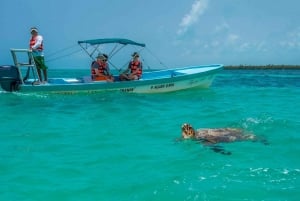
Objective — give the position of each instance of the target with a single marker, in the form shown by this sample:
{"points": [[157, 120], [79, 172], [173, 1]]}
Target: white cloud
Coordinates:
{"points": [[293, 39], [232, 38], [262, 46], [215, 43], [222, 27], [245, 46], [198, 8]]}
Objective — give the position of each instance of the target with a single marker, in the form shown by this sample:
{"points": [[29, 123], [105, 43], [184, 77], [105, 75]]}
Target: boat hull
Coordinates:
{"points": [[161, 81]]}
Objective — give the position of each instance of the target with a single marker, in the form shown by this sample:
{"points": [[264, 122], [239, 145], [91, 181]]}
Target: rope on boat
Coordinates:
{"points": [[65, 55], [160, 62], [61, 56], [61, 50]]}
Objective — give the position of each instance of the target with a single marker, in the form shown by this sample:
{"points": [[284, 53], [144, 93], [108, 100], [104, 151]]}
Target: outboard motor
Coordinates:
{"points": [[9, 78]]}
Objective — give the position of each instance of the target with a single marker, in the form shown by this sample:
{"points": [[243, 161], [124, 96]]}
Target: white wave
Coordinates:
{"points": [[253, 121]]}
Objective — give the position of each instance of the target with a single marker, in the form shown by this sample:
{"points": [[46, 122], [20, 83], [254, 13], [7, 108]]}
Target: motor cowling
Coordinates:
{"points": [[9, 78]]}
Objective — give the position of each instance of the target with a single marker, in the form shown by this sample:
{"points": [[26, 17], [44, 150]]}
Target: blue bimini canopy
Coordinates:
{"points": [[111, 40]]}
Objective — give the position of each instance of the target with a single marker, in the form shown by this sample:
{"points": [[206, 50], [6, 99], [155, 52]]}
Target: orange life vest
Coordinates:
{"points": [[32, 43], [136, 67], [101, 67]]}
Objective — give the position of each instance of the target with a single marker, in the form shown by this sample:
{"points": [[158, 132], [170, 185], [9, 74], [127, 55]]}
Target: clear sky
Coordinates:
{"points": [[178, 32]]}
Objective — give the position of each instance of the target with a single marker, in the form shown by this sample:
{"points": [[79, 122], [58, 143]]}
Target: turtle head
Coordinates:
{"points": [[187, 131]]}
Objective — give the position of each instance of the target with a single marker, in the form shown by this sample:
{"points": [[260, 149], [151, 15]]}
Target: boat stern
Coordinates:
{"points": [[9, 78]]}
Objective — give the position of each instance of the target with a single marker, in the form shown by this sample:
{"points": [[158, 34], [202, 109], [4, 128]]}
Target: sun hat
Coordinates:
{"points": [[106, 56], [135, 54], [100, 56], [34, 29]]}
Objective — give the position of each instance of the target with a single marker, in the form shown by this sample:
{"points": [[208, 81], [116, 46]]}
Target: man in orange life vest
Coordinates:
{"points": [[36, 45], [100, 69], [135, 68]]}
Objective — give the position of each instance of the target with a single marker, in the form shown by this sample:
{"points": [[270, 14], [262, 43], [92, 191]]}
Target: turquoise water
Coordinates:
{"points": [[114, 146]]}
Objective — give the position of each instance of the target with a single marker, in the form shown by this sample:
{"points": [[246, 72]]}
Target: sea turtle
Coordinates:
{"points": [[211, 137]]}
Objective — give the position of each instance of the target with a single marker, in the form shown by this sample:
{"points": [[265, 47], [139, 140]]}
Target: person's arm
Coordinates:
{"points": [[95, 66]]}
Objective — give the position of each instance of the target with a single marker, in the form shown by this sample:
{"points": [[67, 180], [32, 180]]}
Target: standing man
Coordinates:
{"points": [[36, 46]]}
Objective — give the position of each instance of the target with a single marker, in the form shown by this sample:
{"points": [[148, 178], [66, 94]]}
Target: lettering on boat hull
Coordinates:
{"points": [[161, 86], [127, 90]]}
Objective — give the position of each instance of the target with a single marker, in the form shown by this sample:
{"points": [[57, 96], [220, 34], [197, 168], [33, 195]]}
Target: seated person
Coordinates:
{"points": [[135, 68], [100, 69]]}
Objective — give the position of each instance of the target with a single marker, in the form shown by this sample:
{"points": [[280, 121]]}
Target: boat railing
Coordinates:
{"points": [[30, 63]]}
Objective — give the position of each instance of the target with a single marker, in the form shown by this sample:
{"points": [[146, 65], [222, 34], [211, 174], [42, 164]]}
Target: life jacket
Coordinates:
{"points": [[32, 43], [101, 67], [136, 67]]}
